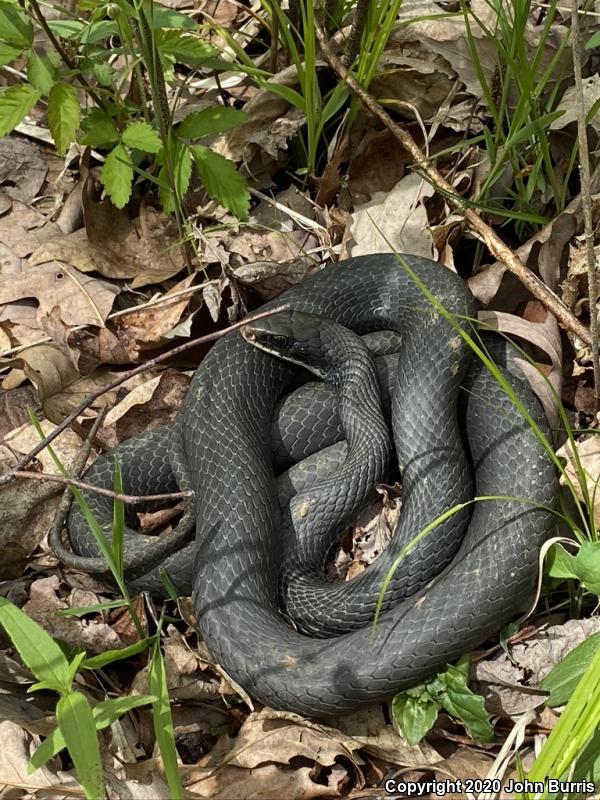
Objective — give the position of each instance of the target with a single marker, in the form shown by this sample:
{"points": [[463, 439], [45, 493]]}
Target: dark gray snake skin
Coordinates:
{"points": [[223, 449]]}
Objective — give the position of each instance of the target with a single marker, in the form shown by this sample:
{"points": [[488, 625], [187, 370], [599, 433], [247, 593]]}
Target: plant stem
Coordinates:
{"points": [[586, 200], [423, 164]]}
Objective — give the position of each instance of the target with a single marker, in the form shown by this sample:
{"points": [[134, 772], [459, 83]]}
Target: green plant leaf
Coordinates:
{"points": [[563, 678], [104, 713], [99, 129], [37, 649], [584, 566], [414, 713], [184, 48], [66, 28], [103, 72], [77, 726], [222, 180], [41, 72], [182, 169], [15, 103], [463, 704], [100, 31], [163, 721], [209, 121], [293, 97], [63, 115], [15, 27], [593, 41], [8, 53], [163, 17], [142, 136], [117, 175], [102, 659]]}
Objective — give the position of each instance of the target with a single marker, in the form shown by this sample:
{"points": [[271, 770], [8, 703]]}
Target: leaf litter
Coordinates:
{"points": [[87, 290]]}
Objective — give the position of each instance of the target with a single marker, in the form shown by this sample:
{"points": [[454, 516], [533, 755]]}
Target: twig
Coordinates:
{"points": [[586, 200], [210, 337], [88, 487], [500, 250]]}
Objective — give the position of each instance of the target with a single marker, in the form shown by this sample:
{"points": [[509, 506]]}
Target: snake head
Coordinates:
{"points": [[293, 336]]}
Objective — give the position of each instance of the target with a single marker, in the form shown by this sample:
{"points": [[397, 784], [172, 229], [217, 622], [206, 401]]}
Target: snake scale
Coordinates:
{"points": [[221, 447]]}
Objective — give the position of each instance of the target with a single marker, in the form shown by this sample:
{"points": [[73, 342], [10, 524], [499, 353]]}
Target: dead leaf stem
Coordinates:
{"points": [[210, 337], [586, 199], [88, 487], [421, 163]]}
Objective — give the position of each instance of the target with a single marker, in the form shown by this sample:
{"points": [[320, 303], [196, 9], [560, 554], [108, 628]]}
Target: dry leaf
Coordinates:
{"points": [[22, 169], [82, 299], [395, 221]]}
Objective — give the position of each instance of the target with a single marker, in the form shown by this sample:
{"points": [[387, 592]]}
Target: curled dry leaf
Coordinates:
{"points": [[152, 324], [45, 599], [393, 222], [22, 169], [278, 754], [145, 249], [588, 451], [59, 385], [509, 682], [82, 299], [17, 748], [546, 381]]}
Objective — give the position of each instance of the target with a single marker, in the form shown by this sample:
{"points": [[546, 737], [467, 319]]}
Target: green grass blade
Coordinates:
{"points": [[77, 726], [163, 721]]}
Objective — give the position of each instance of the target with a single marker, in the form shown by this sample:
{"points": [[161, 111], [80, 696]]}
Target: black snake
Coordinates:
{"points": [[222, 449]]}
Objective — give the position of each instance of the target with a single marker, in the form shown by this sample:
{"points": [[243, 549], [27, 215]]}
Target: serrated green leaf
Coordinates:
{"points": [[103, 73], [209, 121], [414, 715], [184, 48], [104, 713], [15, 27], [8, 53], [37, 649], [77, 726], [63, 115], [464, 705], [99, 129], [182, 167], [41, 72], [142, 136], [15, 103], [116, 176], [222, 180], [563, 678]]}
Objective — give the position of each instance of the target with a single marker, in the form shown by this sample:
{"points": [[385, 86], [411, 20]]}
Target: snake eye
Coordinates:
{"points": [[281, 342]]}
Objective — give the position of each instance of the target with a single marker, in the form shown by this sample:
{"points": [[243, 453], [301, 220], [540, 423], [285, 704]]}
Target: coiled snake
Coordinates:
{"points": [[222, 446]]}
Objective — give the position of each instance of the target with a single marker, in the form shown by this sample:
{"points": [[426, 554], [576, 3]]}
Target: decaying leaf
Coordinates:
{"points": [[393, 222]]}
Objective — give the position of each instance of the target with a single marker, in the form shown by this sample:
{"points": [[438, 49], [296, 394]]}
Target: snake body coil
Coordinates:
{"points": [[223, 450]]}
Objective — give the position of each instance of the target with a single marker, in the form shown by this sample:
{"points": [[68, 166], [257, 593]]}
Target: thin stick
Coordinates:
{"points": [[210, 337], [88, 487], [586, 200], [421, 163]]}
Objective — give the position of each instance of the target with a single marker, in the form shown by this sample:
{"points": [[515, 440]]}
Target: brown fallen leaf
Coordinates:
{"points": [[82, 299], [144, 250], [151, 325], [22, 169], [278, 754], [23, 229], [394, 221]]}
